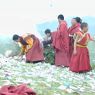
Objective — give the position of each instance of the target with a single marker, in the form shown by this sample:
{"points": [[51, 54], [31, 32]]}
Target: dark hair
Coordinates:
{"points": [[84, 24], [47, 31], [16, 37], [78, 19], [61, 17]]}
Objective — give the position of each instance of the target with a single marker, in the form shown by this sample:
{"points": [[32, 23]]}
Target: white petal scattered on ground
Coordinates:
{"points": [[45, 78]]}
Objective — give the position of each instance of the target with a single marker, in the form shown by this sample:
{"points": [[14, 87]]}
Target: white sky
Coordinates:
{"points": [[21, 16]]}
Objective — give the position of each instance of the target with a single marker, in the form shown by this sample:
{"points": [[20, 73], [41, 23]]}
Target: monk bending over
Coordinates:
{"points": [[31, 47]]}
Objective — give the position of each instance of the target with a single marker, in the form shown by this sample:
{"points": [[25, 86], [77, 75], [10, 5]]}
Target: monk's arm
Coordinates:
{"points": [[62, 28], [75, 43], [82, 36], [91, 38], [22, 50], [30, 43]]}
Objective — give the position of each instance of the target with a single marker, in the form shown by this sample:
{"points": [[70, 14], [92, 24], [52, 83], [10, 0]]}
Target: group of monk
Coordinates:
{"points": [[69, 44]]}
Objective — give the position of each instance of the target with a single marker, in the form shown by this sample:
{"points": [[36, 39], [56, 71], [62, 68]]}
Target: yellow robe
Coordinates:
{"points": [[29, 41]]}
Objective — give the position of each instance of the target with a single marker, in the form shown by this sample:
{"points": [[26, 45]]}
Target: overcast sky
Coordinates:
{"points": [[21, 16]]}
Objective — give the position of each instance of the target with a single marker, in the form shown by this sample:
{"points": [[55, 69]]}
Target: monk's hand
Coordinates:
{"points": [[75, 52], [70, 35], [20, 55]]}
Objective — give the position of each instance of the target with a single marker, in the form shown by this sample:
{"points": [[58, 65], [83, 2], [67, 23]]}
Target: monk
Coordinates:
{"points": [[80, 61], [22, 89], [60, 42], [31, 47], [72, 31], [48, 49], [47, 39]]}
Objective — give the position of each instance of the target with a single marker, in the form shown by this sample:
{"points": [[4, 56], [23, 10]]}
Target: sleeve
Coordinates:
{"points": [[90, 38], [62, 28], [23, 48], [79, 33], [30, 43], [62, 31]]}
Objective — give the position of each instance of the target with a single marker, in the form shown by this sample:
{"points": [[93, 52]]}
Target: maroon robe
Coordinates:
{"points": [[16, 90], [80, 62], [35, 54], [60, 42], [72, 30]]}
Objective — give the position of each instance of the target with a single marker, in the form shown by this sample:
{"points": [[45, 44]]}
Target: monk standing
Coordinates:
{"points": [[31, 47], [60, 42], [80, 61], [72, 31]]}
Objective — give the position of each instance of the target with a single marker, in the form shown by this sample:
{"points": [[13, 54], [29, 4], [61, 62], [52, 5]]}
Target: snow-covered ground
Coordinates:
{"points": [[46, 79]]}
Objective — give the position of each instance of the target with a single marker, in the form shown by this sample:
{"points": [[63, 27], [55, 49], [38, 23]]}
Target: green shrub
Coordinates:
{"points": [[49, 55]]}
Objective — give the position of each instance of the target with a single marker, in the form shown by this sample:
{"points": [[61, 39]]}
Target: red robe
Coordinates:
{"points": [[72, 30], [16, 90], [81, 61], [35, 54], [60, 42]]}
